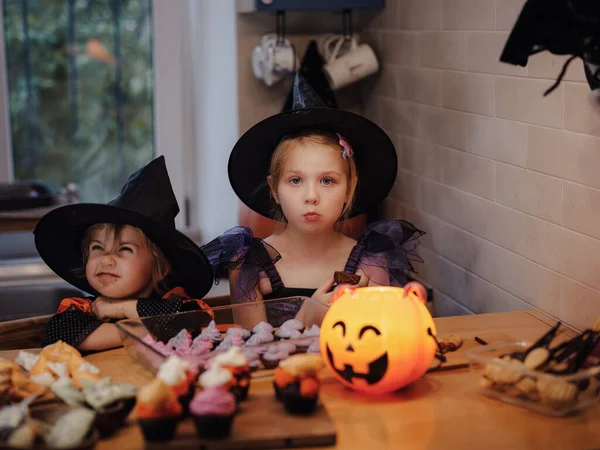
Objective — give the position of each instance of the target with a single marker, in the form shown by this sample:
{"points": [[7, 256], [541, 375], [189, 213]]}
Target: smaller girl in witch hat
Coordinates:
{"points": [[128, 255], [310, 167]]}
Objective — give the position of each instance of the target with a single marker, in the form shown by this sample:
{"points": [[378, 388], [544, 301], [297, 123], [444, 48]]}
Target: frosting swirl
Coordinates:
{"points": [[213, 401]]}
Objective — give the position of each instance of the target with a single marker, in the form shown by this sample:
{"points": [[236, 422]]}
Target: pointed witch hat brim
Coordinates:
{"points": [[147, 202], [374, 152]]}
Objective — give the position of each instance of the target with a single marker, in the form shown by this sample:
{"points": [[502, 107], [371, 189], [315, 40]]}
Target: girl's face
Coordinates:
{"points": [[313, 186], [121, 269]]}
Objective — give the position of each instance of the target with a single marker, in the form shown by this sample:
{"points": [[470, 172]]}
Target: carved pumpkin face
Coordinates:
{"points": [[376, 339]]}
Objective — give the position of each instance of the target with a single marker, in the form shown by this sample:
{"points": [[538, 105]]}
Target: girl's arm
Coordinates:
{"points": [[73, 322], [104, 337], [246, 313]]}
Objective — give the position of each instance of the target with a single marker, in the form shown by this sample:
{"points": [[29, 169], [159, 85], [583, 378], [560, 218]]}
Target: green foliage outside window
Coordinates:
{"points": [[80, 85]]}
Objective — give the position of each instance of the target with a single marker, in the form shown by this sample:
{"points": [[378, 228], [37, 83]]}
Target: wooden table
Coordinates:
{"points": [[440, 411]]}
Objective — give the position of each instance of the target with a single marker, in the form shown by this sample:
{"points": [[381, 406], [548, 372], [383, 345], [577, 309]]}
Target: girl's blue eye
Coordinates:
{"points": [[327, 181], [295, 180]]}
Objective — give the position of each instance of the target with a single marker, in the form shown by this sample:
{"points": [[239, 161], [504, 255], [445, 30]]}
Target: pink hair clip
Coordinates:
{"points": [[347, 151]]}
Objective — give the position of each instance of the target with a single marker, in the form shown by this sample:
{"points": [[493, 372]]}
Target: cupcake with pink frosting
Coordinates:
{"points": [[181, 342], [199, 347], [235, 339], [211, 333], [213, 410]]}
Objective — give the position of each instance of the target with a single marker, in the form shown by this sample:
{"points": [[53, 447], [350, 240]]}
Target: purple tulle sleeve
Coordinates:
{"points": [[385, 252], [238, 250]]}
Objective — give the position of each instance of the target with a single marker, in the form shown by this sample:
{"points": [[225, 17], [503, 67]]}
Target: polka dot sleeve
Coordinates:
{"points": [[72, 326]]}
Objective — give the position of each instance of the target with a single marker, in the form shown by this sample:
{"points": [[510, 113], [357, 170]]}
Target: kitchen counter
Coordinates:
{"points": [[440, 411]]}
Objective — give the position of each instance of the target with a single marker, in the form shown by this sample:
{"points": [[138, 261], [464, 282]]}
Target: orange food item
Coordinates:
{"points": [[282, 378], [157, 400], [309, 387]]}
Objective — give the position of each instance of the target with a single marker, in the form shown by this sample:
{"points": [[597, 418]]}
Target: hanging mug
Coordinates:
{"points": [[274, 59], [348, 61]]}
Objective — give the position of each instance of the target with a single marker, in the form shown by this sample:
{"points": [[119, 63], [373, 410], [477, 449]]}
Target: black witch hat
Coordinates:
{"points": [[147, 202], [374, 152], [311, 69], [562, 27]]}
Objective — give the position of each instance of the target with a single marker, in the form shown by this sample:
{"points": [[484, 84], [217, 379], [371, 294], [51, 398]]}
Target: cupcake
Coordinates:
{"points": [[182, 341], [294, 324], [216, 376], [296, 383], [245, 334], [212, 333], [263, 327], [236, 339], [290, 329], [175, 373], [262, 337], [273, 356], [223, 346], [236, 362], [213, 409], [158, 411]]}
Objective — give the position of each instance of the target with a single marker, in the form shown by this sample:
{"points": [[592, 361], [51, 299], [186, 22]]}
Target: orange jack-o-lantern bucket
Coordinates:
{"points": [[378, 339]]}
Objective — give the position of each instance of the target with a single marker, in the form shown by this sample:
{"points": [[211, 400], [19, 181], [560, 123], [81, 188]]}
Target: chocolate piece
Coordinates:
{"points": [[345, 278]]}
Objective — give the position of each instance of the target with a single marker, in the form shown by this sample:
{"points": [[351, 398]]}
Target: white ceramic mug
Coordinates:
{"points": [[273, 59], [347, 66]]}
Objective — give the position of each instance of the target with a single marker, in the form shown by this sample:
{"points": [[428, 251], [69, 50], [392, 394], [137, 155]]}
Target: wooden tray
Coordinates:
{"points": [[261, 423]]}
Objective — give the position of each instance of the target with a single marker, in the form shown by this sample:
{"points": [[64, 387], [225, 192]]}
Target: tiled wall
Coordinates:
{"points": [[504, 181]]}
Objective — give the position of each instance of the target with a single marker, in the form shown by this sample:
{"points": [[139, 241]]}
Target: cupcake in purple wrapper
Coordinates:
{"points": [[213, 411], [199, 347], [294, 324], [181, 341], [262, 337], [223, 346], [236, 330], [164, 349], [272, 356], [263, 327], [287, 333], [212, 333], [235, 339]]}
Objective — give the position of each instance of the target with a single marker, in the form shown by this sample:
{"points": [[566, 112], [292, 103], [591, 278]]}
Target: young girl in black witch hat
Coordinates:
{"points": [[128, 254], [310, 167]]}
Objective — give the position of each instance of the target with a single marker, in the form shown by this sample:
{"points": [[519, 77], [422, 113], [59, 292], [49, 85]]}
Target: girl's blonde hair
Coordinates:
{"points": [[160, 265], [281, 154]]}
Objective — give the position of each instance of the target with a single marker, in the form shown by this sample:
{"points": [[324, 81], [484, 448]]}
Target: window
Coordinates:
{"points": [[80, 91], [94, 89]]}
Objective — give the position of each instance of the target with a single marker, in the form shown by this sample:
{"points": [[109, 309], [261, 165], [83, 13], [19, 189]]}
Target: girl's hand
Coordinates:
{"points": [[323, 294], [105, 308], [310, 313]]}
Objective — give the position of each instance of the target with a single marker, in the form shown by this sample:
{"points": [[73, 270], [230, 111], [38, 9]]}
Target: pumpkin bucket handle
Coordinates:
{"points": [[417, 290]]}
